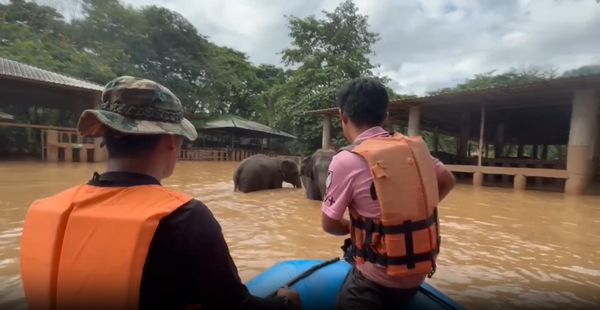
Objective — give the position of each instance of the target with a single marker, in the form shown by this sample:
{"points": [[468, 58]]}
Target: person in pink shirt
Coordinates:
{"points": [[363, 105]]}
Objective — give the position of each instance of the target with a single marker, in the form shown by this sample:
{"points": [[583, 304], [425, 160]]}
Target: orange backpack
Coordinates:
{"points": [[85, 248], [406, 238]]}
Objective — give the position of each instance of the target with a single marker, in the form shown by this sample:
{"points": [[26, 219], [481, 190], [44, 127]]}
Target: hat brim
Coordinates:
{"points": [[92, 122]]}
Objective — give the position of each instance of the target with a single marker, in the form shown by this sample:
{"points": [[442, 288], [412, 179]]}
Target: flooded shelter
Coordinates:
{"points": [[231, 137], [536, 135], [40, 109]]}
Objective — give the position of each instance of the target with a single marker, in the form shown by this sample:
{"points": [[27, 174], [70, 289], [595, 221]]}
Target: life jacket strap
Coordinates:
{"points": [[371, 256], [408, 226]]}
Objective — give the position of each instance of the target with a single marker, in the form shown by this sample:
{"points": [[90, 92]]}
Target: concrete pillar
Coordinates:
{"points": [[582, 140], [52, 145], [68, 154], [477, 178], [326, 143], [414, 121], [520, 182]]}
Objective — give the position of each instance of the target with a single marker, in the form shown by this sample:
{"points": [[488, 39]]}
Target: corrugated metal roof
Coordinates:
{"points": [[571, 82], [461, 96], [15, 69], [233, 122], [6, 116]]}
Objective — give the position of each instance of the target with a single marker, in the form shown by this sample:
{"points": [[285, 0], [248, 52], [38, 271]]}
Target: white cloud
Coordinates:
{"points": [[425, 44]]}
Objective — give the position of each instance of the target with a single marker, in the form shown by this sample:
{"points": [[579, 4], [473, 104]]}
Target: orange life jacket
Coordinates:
{"points": [[85, 248], [406, 238]]}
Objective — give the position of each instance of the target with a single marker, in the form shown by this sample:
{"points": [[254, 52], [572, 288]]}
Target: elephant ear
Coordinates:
{"points": [[306, 167], [288, 167]]}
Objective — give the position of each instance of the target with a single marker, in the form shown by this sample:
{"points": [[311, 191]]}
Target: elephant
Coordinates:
{"points": [[259, 172], [314, 170]]}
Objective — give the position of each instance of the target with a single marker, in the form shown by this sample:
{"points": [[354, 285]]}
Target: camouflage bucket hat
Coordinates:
{"points": [[137, 106]]}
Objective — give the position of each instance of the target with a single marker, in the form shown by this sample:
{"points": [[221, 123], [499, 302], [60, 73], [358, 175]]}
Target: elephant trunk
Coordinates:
{"points": [[297, 183]]}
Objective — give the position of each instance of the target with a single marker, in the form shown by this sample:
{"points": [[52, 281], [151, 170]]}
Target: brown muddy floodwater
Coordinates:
{"points": [[500, 249]]}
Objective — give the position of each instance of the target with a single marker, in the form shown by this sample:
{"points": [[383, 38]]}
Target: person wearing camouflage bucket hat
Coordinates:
{"points": [[128, 242], [137, 106]]}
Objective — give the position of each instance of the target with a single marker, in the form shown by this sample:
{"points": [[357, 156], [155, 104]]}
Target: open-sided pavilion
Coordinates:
{"points": [[536, 131]]}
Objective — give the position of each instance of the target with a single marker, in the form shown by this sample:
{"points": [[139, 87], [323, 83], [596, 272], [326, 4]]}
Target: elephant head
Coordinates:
{"points": [[314, 170], [304, 171], [290, 173]]}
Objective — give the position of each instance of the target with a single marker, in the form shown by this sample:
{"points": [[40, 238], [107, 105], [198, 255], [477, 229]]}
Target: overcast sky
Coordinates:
{"points": [[424, 45]]}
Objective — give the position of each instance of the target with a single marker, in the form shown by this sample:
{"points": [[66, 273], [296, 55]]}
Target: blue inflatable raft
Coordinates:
{"points": [[321, 282]]}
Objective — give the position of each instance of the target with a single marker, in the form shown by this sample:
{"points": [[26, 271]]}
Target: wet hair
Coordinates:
{"points": [[364, 101], [120, 145]]}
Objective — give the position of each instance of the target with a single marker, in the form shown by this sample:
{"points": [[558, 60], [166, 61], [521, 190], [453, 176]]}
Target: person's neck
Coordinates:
{"points": [[354, 132], [140, 166]]}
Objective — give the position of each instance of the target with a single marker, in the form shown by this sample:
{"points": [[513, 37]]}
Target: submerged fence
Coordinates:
{"points": [[226, 154]]}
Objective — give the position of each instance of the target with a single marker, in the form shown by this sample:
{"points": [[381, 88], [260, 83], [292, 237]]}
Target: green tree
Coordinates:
{"points": [[491, 79], [326, 52], [584, 70]]}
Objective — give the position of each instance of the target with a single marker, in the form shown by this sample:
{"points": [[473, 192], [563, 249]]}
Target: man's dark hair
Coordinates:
{"points": [[120, 145], [365, 101]]}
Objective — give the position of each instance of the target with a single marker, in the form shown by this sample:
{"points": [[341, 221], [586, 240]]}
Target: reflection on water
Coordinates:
{"points": [[500, 248]]}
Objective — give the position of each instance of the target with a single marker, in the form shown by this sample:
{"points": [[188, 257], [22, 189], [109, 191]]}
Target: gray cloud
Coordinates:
{"points": [[424, 45]]}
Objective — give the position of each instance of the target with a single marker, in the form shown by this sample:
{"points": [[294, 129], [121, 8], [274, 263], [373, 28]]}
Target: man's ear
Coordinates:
{"points": [[344, 117], [172, 142]]}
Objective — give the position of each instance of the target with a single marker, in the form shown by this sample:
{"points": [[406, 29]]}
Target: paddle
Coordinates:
{"points": [[307, 273]]}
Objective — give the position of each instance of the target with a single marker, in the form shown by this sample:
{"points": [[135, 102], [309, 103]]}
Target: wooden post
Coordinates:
{"points": [[481, 132], [414, 121], [560, 153], [486, 153], [499, 143], [520, 150], [545, 152], [42, 143], [326, 142]]}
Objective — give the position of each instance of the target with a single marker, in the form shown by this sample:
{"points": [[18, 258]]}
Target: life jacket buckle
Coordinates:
{"points": [[370, 255]]}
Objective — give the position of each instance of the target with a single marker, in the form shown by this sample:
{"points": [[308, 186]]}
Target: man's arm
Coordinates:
{"points": [[335, 227], [212, 277], [445, 179], [338, 195]]}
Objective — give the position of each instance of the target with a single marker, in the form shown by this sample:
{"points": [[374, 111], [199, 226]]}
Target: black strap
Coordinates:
{"points": [[306, 273], [371, 256], [368, 224], [407, 228], [395, 229], [437, 229]]}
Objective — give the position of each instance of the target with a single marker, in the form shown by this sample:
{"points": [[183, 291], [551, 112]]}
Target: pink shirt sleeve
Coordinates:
{"points": [[338, 194]]}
